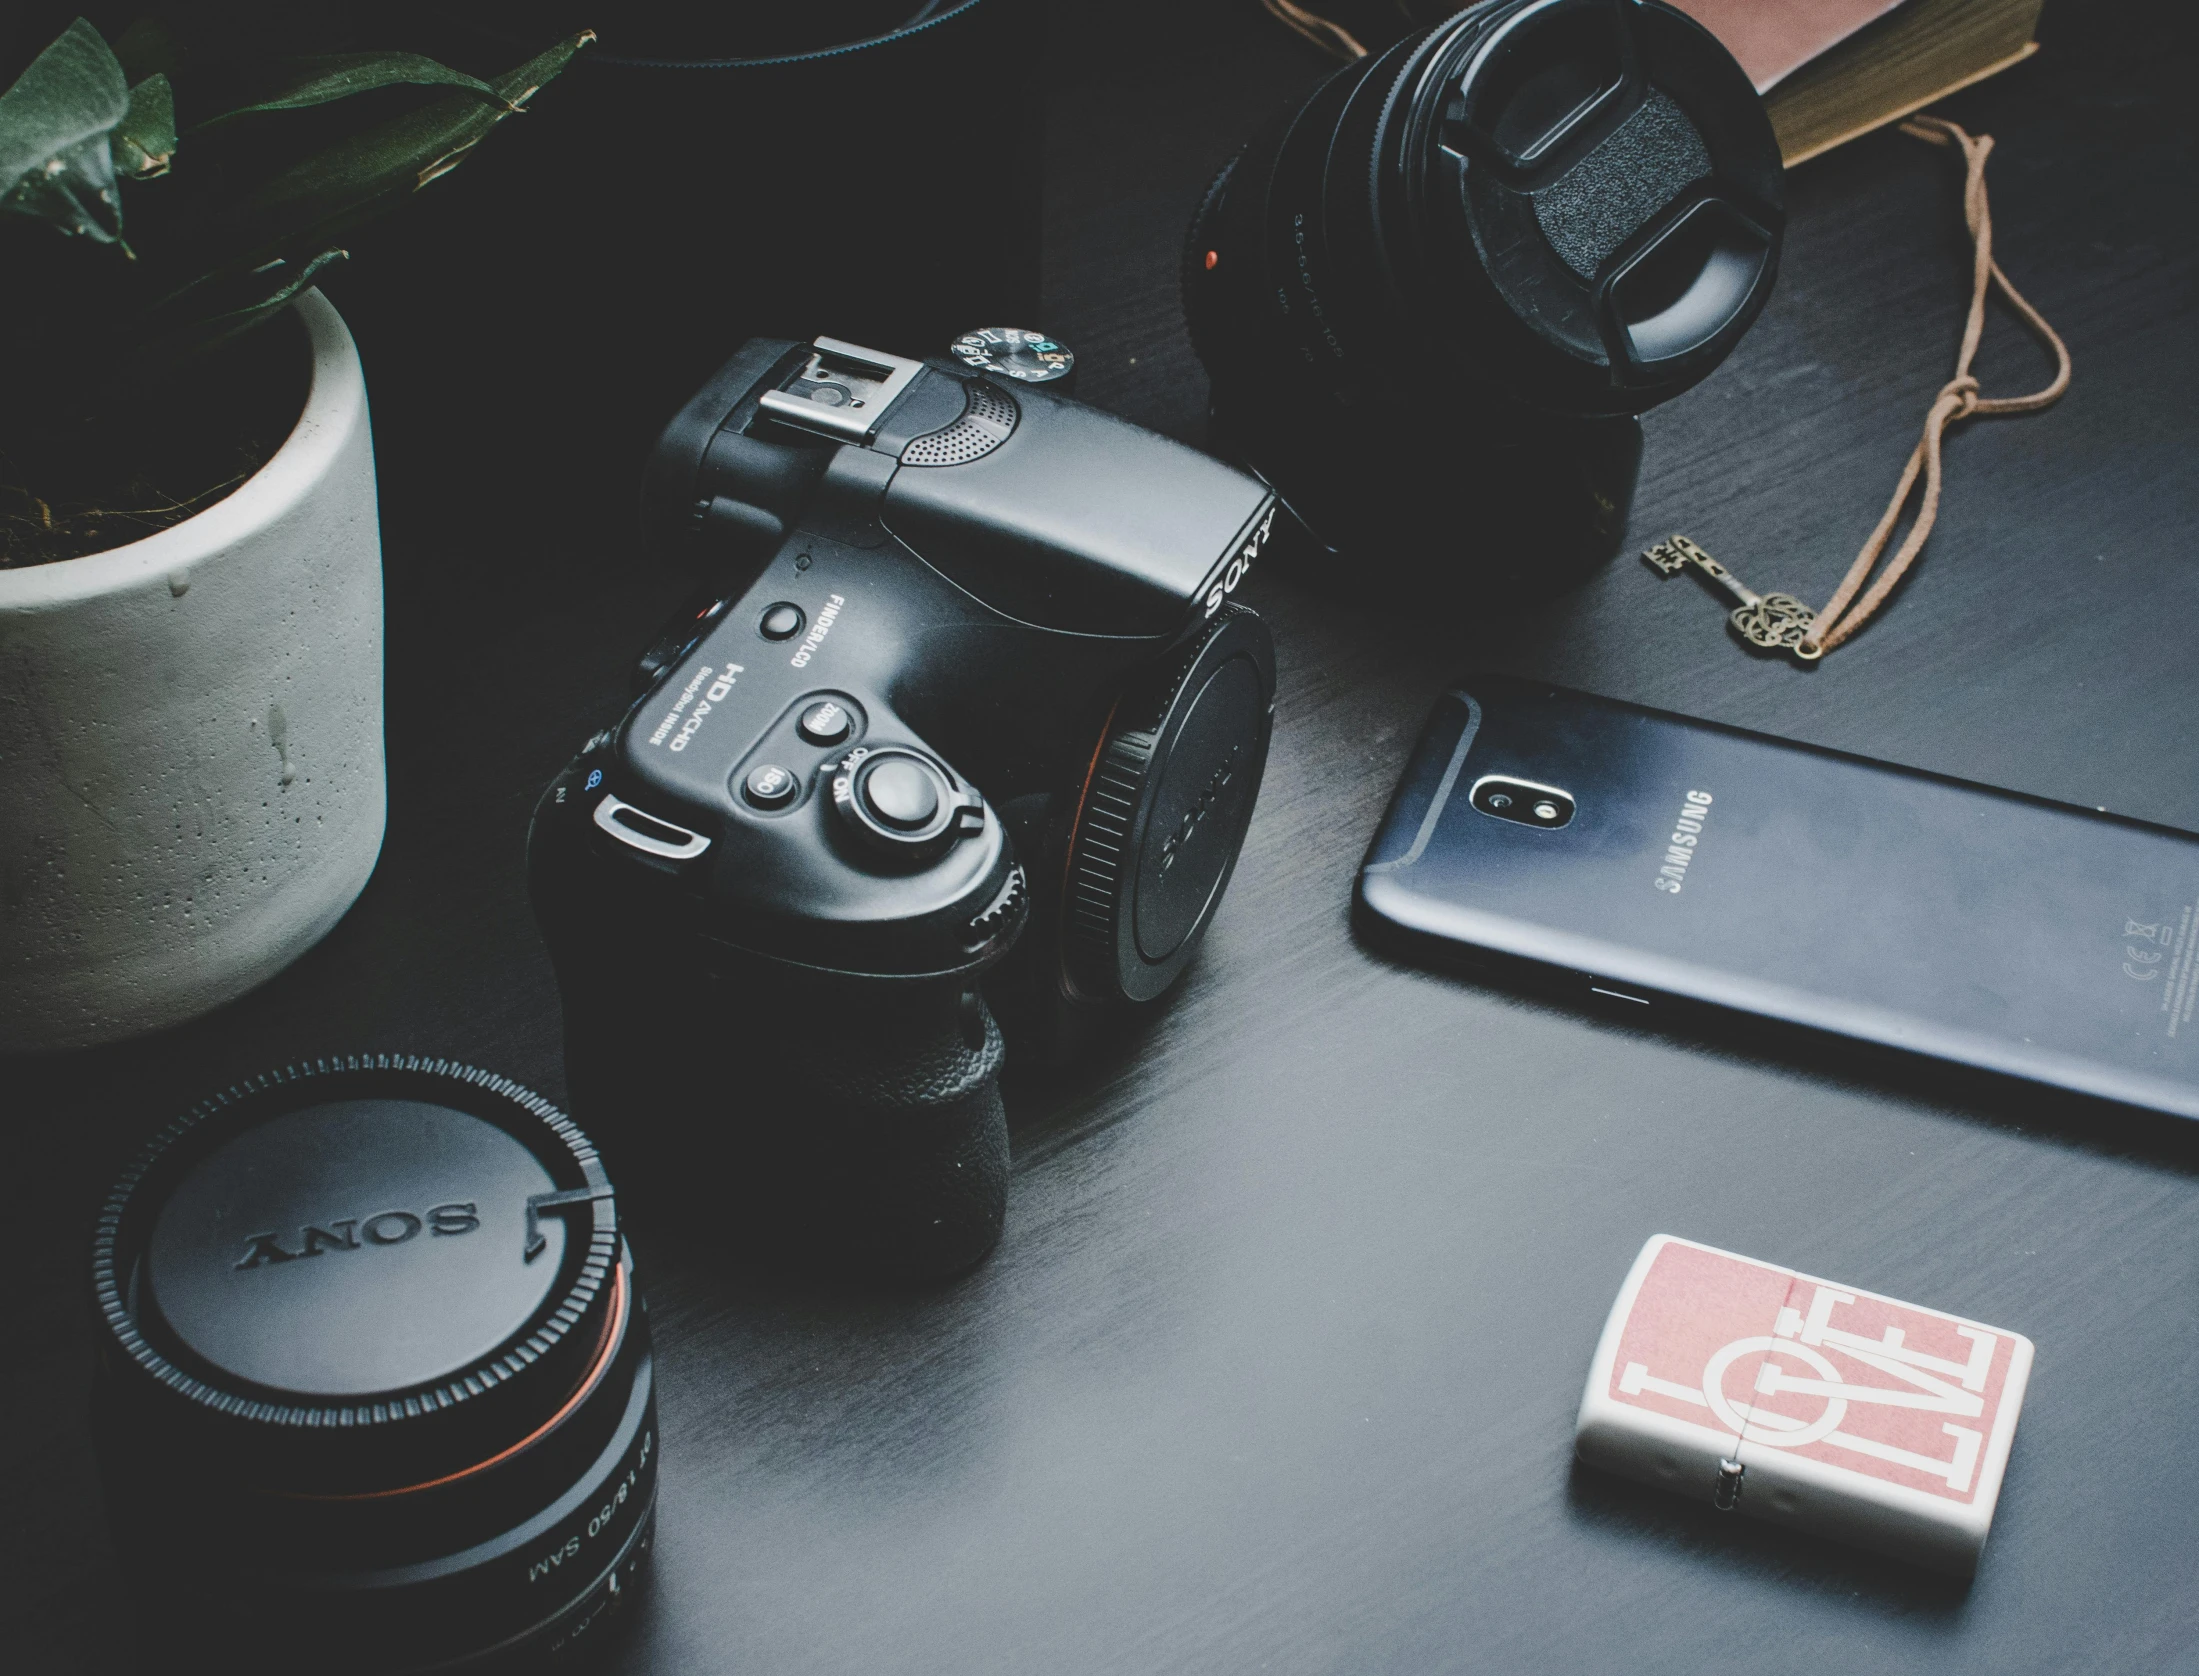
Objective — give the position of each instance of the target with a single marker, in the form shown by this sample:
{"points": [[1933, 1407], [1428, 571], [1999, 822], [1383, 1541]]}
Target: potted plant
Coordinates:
{"points": [[190, 566]]}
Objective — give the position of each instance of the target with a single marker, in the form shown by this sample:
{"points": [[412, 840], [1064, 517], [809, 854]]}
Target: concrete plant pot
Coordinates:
{"points": [[191, 739]]}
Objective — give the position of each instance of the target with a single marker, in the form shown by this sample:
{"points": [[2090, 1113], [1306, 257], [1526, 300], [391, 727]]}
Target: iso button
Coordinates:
{"points": [[769, 786]]}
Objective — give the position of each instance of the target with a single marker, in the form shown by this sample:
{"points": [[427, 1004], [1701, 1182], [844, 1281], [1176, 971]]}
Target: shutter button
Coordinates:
{"points": [[903, 805], [902, 793], [824, 723]]}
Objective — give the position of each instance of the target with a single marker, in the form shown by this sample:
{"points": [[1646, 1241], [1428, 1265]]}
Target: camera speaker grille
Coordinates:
{"points": [[985, 424]]}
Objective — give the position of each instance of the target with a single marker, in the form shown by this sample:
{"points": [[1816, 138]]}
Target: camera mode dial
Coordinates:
{"points": [[1019, 353], [899, 803]]}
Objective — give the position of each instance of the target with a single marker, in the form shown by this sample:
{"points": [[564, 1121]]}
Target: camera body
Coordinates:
{"points": [[963, 701]]}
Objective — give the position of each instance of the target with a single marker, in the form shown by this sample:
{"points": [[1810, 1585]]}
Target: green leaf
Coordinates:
{"points": [[312, 203], [277, 284], [218, 309], [146, 140], [54, 122], [300, 82]]}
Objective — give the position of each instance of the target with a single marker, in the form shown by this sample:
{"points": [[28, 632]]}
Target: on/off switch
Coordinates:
{"points": [[825, 723]]}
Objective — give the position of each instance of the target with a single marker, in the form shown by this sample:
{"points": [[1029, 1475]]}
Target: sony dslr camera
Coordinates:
{"points": [[964, 712]]}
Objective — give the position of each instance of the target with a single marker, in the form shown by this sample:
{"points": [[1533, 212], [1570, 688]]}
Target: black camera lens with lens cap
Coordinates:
{"points": [[375, 1388], [1435, 296]]}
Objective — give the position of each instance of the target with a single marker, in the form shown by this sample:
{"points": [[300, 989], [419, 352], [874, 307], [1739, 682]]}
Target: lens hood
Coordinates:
{"points": [[375, 1385]]}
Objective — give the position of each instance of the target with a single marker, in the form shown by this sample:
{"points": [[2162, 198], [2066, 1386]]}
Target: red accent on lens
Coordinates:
{"points": [[613, 1328], [1084, 796]]}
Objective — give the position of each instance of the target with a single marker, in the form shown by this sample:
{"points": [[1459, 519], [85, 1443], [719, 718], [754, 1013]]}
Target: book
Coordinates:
{"points": [[1830, 70]]}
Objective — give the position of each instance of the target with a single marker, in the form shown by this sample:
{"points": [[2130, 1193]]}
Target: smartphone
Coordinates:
{"points": [[1656, 861]]}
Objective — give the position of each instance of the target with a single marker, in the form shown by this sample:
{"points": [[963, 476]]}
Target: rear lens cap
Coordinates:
{"points": [[352, 1249], [372, 1344]]}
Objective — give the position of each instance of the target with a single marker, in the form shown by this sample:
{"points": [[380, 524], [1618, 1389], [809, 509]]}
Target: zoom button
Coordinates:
{"points": [[825, 723]]}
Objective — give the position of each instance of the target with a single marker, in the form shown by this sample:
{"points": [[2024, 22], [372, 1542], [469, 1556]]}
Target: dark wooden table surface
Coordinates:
{"points": [[1276, 1367]]}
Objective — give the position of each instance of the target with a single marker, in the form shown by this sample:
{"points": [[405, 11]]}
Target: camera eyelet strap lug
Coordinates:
{"points": [[1776, 622]]}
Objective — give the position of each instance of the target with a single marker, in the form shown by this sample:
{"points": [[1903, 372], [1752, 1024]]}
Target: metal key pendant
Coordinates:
{"points": [[1776, 622]]}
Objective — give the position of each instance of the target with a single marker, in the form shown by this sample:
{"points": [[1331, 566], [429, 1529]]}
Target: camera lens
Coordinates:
{"points": [[1484, 251], [1572, 203], [375, 1380], [1521, 802]]}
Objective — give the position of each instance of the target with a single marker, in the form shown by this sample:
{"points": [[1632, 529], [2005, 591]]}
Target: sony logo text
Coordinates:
{"points": [[1218, 782], [1239, 564], [389, 1227]]}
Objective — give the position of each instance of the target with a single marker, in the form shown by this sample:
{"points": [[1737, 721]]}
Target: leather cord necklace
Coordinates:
{"points": [[1779, 622]]}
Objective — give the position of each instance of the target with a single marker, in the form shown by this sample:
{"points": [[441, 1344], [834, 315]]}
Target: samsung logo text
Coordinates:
{"points": [[1687, 834]]}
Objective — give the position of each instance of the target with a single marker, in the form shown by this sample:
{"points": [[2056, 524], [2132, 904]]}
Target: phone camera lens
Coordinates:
{"points": [[1522, 802], [374, 1378]]}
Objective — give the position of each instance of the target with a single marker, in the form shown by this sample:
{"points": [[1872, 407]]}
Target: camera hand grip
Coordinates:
{"points": [[906, 1139], [797, 1118]]}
